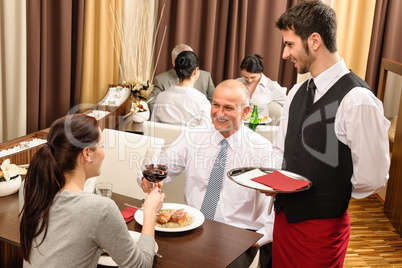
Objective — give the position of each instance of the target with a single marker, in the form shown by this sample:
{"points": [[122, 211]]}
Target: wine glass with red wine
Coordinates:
{"points": [[154, 172], [154, 168]]}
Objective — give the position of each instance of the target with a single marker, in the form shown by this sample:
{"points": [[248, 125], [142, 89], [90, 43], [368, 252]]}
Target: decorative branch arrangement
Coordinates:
{"points": [[134, 30]]}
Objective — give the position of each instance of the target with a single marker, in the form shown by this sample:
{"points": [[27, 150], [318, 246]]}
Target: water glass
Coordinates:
{"points": [[104, 189]]}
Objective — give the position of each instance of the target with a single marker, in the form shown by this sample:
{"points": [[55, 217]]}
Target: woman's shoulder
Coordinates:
{"points": [[84, 199]]}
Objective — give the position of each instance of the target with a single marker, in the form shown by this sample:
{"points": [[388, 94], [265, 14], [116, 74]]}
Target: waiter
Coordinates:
{"points": [[334, 132]]}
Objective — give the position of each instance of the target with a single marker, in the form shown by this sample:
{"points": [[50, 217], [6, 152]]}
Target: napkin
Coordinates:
{"points": [[246, 179], [281, 182], [128, 213]]}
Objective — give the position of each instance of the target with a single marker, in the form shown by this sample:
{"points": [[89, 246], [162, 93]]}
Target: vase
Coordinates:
{"points": [[10, 187], [140, 117]]}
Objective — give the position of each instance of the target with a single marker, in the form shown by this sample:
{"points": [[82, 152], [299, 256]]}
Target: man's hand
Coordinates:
{"points": [[147, 186], [271, 194]]}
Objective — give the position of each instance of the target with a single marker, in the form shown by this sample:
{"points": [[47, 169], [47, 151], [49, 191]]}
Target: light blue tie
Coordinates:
{"points": [[213, 191]]}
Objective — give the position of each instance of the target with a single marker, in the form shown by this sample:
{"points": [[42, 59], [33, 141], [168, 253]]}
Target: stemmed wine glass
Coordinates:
{"points": [[154, 168]]}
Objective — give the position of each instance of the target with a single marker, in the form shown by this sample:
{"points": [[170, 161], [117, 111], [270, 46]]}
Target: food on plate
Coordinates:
{"points": [[22, 171], [164, 218], [178, 218], [262, 119], [10, 171]]}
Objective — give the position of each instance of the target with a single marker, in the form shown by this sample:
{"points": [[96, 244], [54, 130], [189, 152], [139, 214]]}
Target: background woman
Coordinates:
{"points": [[61, 224], [262, 89], [182, 104]]}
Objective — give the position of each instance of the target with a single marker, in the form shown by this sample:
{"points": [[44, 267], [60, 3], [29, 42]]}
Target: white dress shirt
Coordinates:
{"points": [[359, 123], [194, 153], [181, 106], [266, 92]]}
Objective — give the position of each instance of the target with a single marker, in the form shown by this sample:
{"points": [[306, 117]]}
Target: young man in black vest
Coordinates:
{"points": [[334, 132]]}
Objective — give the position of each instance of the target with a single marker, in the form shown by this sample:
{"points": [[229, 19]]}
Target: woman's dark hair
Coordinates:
{"points": [[252, 64], [67, 137], [185, 63], [309, 17]]}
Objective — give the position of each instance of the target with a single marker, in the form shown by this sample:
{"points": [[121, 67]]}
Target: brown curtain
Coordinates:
{"points": [[100, 62], [385, 38], [55, 34], [223, 32], [287, 75]]}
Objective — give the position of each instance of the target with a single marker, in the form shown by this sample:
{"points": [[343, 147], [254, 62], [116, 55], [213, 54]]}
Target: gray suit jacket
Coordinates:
{"points": [[163, 81]]}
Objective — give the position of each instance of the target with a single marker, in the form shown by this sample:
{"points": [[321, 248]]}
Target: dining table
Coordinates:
{"points": [[213, 244]]}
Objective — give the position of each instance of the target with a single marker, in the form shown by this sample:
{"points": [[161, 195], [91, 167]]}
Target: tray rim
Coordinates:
{"points": [[242, 170]]}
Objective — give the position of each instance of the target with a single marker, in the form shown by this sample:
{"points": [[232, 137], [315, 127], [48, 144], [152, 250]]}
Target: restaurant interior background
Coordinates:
{"points": [[55, 55]]}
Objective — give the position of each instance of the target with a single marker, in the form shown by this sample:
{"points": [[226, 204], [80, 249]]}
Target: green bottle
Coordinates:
{"points": [[254, 120]]}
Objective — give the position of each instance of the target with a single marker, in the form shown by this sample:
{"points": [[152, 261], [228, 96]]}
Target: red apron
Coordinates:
{"points": [[310, 243]]}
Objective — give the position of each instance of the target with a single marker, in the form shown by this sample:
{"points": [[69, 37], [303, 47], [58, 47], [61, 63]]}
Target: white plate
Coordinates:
{"points": [[247, 121], [108, 261], [192, 212]]}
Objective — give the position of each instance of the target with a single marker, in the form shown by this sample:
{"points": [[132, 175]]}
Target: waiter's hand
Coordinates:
{"points": [[271, 194], [147, 186]]}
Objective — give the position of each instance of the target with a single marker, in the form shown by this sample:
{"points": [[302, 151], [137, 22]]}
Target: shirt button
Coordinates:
{"points": [[306, 113], [300, 135], [295, 156]]}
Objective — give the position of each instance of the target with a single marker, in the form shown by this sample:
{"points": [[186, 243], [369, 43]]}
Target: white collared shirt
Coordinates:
{"points": [[266, 92], [194, 153], [180, 106], [359, 123]]}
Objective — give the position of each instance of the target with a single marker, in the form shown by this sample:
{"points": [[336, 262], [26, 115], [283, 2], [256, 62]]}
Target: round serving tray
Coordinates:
{"points": [[258, 186]]}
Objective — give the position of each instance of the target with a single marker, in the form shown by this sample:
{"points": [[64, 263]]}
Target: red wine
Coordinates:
{"points": [[148, 174], [154, 175], [156, 166], [159, 175]]}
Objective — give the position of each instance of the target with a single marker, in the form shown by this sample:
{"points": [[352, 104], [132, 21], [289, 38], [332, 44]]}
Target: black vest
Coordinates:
{"points": [[313, 151]]}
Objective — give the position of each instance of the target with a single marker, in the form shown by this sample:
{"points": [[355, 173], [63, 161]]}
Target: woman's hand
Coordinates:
{"points": [[154, 201], [152, 204]]}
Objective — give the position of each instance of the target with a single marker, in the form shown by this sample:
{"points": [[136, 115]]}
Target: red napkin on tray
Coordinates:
{"points": [[278, 181], [128, 213]]}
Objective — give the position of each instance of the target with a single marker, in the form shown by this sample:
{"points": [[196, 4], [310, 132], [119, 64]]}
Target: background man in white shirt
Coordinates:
{"points": [[195, 151], [336, 137]]}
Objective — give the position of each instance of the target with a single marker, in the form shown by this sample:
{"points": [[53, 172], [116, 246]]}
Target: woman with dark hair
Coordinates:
{"points": [[182, 104], [262, 89], [61, 224]]}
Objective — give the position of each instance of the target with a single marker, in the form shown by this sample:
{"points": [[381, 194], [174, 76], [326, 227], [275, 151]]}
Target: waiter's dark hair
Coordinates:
{"points": [[67, 137], [309, 17]]}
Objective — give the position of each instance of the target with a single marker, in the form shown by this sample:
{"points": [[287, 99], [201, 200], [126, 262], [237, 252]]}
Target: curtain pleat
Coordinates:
{"points": [[355, 21], [223, 32], [53, 57], [385, 38], [12, 69], [100, 61]]}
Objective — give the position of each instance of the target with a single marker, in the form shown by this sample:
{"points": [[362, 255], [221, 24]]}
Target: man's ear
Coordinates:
{"points": [[315, 41], [246, 111]]}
